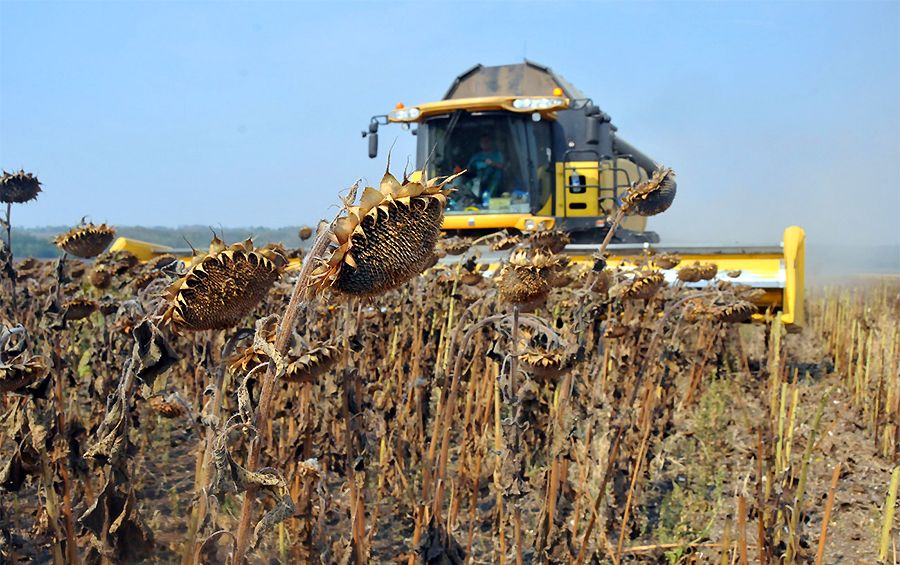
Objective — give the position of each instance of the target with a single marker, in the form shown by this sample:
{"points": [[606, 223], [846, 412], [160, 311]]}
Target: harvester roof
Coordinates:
{"points": [[522, 79], [498, 88]]}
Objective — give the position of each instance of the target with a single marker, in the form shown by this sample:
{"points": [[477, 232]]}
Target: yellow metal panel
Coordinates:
{"points": [[587, 200], [793, 311], [494, 221], [143, 250], [481, 104]]}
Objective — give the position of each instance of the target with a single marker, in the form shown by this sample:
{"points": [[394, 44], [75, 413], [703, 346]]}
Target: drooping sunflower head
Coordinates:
{"points": [[527, 277], [652, 196], [167, 406], [144, 279], [312, 363], [546, 363], [737, 312], [79, 308], [505, 241], [86, 240], [666, 260], [222, 287], [643, 286], [552, 241], [100, 277], [690, 273], [118, 262], [708, 271], [16, 188], [305, 232], [385, 239], [455, 245]]}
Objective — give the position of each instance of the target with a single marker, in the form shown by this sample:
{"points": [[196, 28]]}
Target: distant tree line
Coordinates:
{"points": [[38, 242]]}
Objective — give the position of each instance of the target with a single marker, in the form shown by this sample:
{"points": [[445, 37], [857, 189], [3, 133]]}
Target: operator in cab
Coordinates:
{"points": [[487, 167]]}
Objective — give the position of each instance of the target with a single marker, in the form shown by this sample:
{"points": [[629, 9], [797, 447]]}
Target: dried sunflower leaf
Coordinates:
{"points": [[152, 353], [283, 510]]}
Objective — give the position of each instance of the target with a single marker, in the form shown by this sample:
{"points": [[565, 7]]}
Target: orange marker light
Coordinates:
{"points": [[557, 91], [400, 105]]}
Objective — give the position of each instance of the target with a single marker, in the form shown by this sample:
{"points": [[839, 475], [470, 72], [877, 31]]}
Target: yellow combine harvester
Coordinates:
{"points": [[541, 155]]}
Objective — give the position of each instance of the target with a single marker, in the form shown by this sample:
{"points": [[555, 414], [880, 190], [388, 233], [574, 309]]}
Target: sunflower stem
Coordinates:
{"points": [[612, 230], [299, 297], [12, 267], [517, 431]]}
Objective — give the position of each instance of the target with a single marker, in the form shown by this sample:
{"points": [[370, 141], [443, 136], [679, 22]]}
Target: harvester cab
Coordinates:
{"points": [[537, 153]]}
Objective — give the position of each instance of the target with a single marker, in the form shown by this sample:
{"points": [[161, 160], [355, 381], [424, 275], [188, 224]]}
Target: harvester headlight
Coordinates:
{"points": [[530, 104], [529, 225], [404, 114]]}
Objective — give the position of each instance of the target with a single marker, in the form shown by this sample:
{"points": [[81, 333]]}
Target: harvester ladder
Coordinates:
{"points": [[607, 194]]}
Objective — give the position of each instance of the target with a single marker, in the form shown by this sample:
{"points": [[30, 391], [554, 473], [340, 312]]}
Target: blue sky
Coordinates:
{"points": [[249, 113]]}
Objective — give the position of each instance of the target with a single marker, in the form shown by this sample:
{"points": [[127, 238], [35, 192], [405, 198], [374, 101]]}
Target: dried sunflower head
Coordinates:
{"points": [[601, 281], [708, 271], [86, 241], [471, 278], [108, 305], [16, 188], [696, 309], [305, 232], [750, 294], [79, 308], [167, 406], [545, 363], [118, 262], [615, 330], [643, 286], [552, 241], [385, 240], [667, 260], [526, 278], [22, 372], [505, 241], [312, 363], [221, 288], [690, 273], [737, 312], [100, 278], [654, 195], [144, 279], [455, 245]]}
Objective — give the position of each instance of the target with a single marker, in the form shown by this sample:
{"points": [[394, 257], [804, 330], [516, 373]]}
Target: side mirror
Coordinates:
{"points": [[373, 139], [373, 145]]}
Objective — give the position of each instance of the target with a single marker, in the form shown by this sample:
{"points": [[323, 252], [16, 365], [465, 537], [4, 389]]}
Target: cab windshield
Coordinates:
{"points": [[506, 159]]}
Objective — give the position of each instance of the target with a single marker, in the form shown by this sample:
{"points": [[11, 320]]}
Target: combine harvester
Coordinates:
{"points": [[540, 155]]}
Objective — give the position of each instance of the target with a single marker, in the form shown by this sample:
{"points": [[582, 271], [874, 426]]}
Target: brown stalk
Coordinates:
{"points": [[829, 505], [71, 544], [619, 432], [742, 529], [517, 432], [263, 411], [642, 453], [760, 501]]}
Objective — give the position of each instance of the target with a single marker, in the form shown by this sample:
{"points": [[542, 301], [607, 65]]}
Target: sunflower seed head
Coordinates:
{"points": [[652, 196], [384, 240], [222, 288], [18, 187], [86, 241]]}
